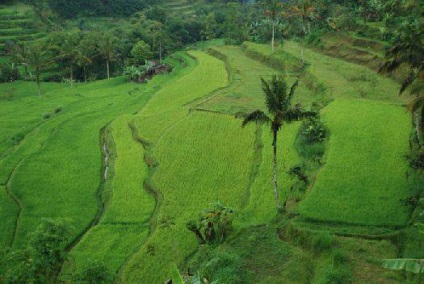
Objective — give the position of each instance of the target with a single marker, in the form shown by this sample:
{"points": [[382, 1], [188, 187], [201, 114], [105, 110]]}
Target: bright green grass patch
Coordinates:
{"points": [[130, 202], [61, 181], [195, 169], [8, 211], [169, 104], [61, 169], [32, 143], [62, 178], [363, 180], [126, 218], [110, 244]]}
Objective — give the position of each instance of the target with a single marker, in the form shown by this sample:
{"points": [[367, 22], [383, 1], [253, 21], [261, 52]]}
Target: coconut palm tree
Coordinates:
{"points": [[66, 45], [106, 43], [36, 56], [280, 110], [408, 51]]}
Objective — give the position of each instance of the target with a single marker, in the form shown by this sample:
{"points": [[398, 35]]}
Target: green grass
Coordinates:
{"points": [[261, 207], [201, 155], [57, 180], [169, 104], [363, 180], [341, 77], [194, 170], [125, 221], [8, 212]]}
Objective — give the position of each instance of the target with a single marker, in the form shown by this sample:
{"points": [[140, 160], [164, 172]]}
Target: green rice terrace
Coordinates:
{"points": [[114, 172]]}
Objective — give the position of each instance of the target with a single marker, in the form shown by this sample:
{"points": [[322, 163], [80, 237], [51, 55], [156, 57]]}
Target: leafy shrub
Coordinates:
{"points": [[8, 73], [58, 109], [133, 72], [313, 130], [213, 225], [17, 138], [95, 272], [417, 161], [314, 39], [47, 115]]}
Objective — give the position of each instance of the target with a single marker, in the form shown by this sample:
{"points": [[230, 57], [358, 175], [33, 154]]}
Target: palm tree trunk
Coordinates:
{"points": [[418, 128], [107, 68], [72, 76], [302, 59], [37, 79], [277, 197], [273, 36]]}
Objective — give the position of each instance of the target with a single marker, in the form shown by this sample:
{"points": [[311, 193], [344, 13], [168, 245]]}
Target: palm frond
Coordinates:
{"points": [[407, 82], [270, 99], [275, 92], [292, 89], [296, 113], [257, 116], [417, 88], [411, 265], [416, 104]]}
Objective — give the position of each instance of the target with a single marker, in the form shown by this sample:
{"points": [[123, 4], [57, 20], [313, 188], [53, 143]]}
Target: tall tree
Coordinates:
{"points": [[408, 51], [304, 10], [67, 46], [278, 99], [272, 10], [106, 47], [36, 56]]}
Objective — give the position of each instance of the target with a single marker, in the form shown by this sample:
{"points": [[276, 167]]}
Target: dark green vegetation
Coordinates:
{"points": [[105, 180]]}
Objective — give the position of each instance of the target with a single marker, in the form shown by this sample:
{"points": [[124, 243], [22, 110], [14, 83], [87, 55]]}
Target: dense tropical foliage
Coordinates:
{"points": [[119, 144]]}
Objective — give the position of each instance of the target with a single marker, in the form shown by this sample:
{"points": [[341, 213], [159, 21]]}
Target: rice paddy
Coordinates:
{"points": [[131, 164]]}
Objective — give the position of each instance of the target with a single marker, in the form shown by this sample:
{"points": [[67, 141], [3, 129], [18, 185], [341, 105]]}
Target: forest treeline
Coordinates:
{"points": [[152, 30]]}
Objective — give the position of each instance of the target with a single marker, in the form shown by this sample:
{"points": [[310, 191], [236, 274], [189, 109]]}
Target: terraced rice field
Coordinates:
{"points": [[180, 7], [369, 189], [375, 176], [131, 164], [14, 25], [54, 170]]}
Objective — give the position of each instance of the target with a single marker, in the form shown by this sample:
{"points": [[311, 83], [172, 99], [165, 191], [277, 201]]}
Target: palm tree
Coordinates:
{"points": [[66, 46], [36, 56], [409, 51], [279, 103], [106, 47]]}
